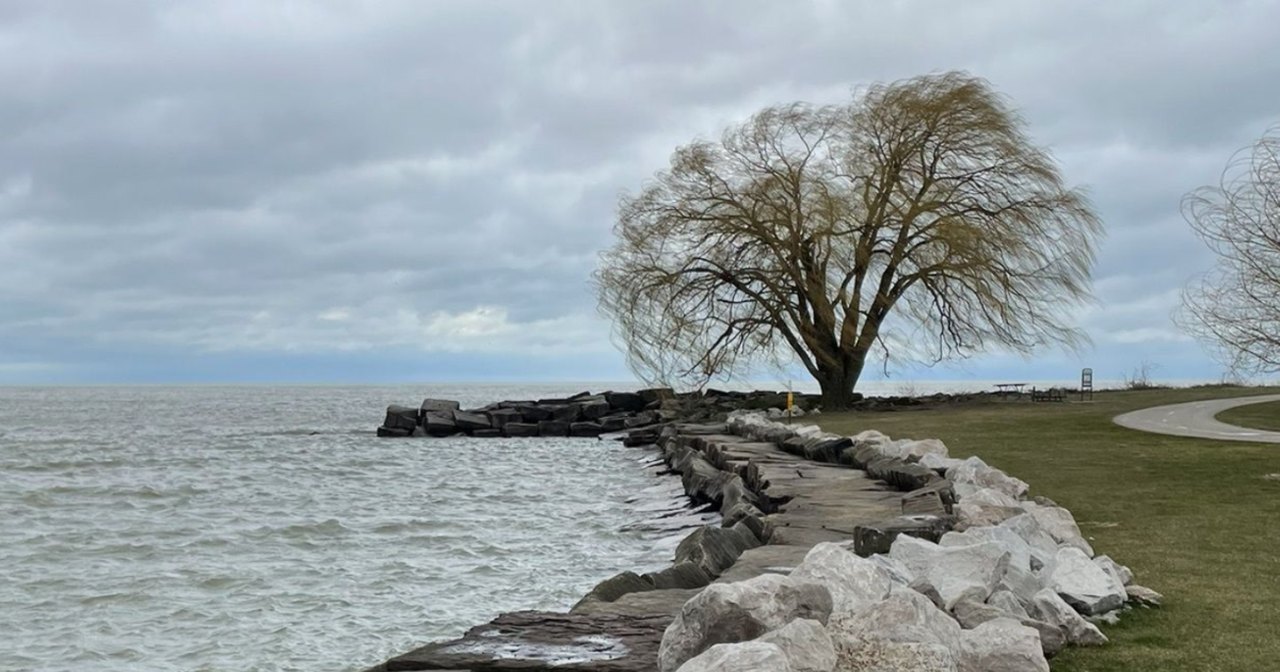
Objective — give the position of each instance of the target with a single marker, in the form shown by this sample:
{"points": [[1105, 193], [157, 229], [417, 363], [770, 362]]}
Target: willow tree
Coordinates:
{"points": [[1236, 307], [917, 221]]}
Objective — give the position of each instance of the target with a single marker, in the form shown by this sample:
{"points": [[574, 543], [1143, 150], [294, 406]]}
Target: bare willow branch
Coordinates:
{"points": [[918, 220], [1235, 308]]}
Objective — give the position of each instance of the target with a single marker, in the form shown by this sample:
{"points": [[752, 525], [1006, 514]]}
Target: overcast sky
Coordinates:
{"points": [[410, 191]]}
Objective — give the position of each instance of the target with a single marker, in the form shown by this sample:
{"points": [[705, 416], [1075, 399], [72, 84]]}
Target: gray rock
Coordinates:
{"points": [[396, 432], [679, 575], [736, 612], [1114, 569], [439, 423], [401, 417], [625, 401], [533, 413], [486, 433], [1144, 596], [593, 409], [585, 429], [716, 548], [878, 537], [893, 656], [1060, 525], [754, 656], [553, 428], [1083, 584], [904, 616], [616, 586], [520, 429], [469, 421], [439, 406], [653, 394], [806, 645], [972, 614], [499, 417], [564, 412], [973, 471]]}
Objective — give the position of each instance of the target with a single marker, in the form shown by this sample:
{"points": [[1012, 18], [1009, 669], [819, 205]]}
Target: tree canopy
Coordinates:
{"points": [[916, 221], [1236, 307]]}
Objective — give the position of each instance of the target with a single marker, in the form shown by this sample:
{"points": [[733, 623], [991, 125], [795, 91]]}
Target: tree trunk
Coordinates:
{"points": [[837, 384]]}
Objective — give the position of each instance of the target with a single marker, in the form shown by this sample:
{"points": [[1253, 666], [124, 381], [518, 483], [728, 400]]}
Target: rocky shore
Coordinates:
{"points": [[834, 553]]}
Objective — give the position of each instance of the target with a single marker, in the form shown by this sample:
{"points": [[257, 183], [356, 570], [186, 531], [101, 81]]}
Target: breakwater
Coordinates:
{"points": [[849, 553]]}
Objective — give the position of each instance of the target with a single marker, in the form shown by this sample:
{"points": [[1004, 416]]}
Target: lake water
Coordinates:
{"points": [[266, 528]]}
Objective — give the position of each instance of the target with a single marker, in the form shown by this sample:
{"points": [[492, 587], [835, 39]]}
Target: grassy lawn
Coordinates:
{"points": [[1193, 518], [1258, 416]]}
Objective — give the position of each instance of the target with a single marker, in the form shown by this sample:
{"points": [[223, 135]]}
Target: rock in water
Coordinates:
{"points": [[586, 429], [471, 421], [438, 423], [520, 429], [439, 406], [401, 417], [553, 428], [625, 401]]}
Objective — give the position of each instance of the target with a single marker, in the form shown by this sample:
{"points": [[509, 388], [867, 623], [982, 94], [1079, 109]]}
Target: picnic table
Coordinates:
{"points": [[1006, 388]]}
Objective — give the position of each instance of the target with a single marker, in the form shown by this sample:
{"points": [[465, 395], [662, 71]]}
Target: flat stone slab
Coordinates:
{"points": [[539, 640]]}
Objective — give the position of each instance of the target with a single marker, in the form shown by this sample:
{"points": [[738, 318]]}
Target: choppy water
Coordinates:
{"points": [[266, 528]]}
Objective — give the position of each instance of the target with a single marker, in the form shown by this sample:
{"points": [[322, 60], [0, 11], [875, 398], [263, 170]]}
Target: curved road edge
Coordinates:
{"points": [[1195, 419]]}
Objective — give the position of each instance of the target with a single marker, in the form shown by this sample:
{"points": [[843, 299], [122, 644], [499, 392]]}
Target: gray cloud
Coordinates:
{"points": [[329, 176]]}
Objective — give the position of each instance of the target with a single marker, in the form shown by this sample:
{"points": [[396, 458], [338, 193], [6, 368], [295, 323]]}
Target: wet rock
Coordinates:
{"points": [[613, 423], [716, 548], [439, 423], [679, 575], [401, 417], [616, 586], [753, 656], [593, 409], [553, 428], [520, 429], [1002, 645], [486, 433], [471, 421], [564, 412], [878, 537], [806, 645], [625, 401], [530, 640], [658, 394], [736, 612], [533, 413], [1083, 584], [394, 432], [585, 429], [499, 417], [439, 406]]}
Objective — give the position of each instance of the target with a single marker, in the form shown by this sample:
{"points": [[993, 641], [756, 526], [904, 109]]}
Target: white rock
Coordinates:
{"points": [[1049, 607], [1002, 645], [1121, 573], [955, 572], [1021, 583], [870, 436], [897, 572], [884, 656], [1083, 584], [904, 616], [806, 645], [1019, 551], [1060, 525], [1008, 603], [972, 614], [939, 462], [1143, 595], [752, 656], [1042, 545], [739, 611], [922, 447], [973, 471], [854, 582]]}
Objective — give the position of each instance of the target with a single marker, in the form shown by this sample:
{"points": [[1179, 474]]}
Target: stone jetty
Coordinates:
{"points": [[833, 554]]}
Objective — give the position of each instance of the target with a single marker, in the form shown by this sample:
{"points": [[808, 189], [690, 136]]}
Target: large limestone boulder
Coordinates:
{"points": [[979, 507], [913, 450], [956, 572], [806, 645], [1041, 544], [973, 471], [1115, 570], [1002, 645], [1021, 554], [971, 614], [401, 417], [1060, 525], [905, 616], [744, 657], [854, 582], [1049, 607], [1083, 584], [737, 612]]}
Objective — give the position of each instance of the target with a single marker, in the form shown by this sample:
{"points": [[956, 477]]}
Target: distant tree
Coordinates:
{"points": [[1236, 307], [801, 232]]}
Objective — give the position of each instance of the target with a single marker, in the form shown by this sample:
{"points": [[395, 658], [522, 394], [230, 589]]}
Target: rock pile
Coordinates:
{"points": [[975, 577], [584, 414]]}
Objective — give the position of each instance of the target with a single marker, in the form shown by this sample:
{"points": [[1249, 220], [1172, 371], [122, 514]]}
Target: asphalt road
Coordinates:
{"points": [[1196, 419]]}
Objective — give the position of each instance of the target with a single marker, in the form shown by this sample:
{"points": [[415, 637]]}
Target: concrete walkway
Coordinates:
{"points": [[1196, 419]]}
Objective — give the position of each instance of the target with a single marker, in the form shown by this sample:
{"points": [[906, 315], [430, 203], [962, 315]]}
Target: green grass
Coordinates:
{"points": [[1193, 518], [1257, 416]]}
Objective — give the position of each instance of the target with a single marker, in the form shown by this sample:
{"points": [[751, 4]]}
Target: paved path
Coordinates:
{"points": [[1196, 419]]}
